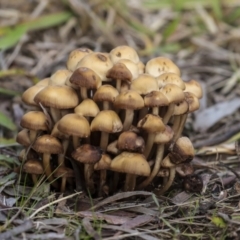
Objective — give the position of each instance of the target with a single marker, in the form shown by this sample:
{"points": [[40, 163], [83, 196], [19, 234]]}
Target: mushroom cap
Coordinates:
{"points": [[112, 148], [74, 125], [170, 78], [159, 65], [26, 154], [103, 163], [86, 78], [23, 138], [33, 166], [173, 93], [100, 63], [30, 93], [129, 100], [121, 72], [58, 134], [44, 82], [60, 77], [49, 97], [132, 163], [47, 144], [64, 172], [87, 154], [123, 52], [181, 151], [87, 108], [180, 108], [155, 99], [34, 120], [192, 100], [130, 141], [107, 121], [165, 136], [151, 123], [141, 67], [105, 93], [75, 56], [167, 163], [144, 84], [194, 87]]}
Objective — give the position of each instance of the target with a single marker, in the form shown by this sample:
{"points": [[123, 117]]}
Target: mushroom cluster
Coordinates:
{"points": [[117, 119]]}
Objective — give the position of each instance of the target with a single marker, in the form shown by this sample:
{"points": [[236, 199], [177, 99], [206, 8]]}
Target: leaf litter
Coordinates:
{"points": [[203, 40]]}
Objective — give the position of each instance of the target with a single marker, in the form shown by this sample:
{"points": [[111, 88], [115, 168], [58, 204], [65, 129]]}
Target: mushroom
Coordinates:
{"points": [[141, 67], [44, 82], [23, 138], [30, 93], [194, 87], [47, 145], [49, 97], [88, 155], [35, 121], [60, 77], [170, 78], [133, 164], [130, 101]]}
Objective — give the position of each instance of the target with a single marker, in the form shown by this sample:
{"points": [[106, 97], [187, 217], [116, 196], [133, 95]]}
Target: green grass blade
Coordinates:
{"points": [[7, 122], [8, 92]]}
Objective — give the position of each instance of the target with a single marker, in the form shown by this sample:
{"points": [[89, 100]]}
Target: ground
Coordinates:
{"points": [[202, 38]]}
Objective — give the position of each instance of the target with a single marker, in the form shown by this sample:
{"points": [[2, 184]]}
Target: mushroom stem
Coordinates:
{"points": [[47, 168], [118, 85], [75, 141], [182, 122], [129, 115], [149, 144], [155, 110], [34, 178], [168, 184], [159, 156], [176, 123], [104, 140], [106, 105], [88, 172], [32, 135], [83, 92], [61, 157], [130, 182], [169, 113], [56, 114], [78, 180], [63, 184]]}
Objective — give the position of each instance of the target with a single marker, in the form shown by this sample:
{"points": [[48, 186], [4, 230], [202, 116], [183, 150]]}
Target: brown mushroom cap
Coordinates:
{"points": [[87, 154], [100, 63], [132, 163], [194, 87], [173, 93], [64, 172], [23, 138], [74, 125], [58, 134], [155, 99], [33, 167], [87, 108], [75, 56], [105, 93], [107, 121], [49, 97], [130, 141], [165, 136], [170, 78], [30, 93], [47, 144], [103, 163], [144, 84], [34, 120], [123, 52], [159, 65]]}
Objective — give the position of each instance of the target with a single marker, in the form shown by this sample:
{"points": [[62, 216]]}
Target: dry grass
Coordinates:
{"points": [[202, 37]]}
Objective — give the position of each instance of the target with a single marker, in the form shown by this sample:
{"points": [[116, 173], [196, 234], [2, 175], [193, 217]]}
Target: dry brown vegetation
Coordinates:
{"points": [[202, 38]]}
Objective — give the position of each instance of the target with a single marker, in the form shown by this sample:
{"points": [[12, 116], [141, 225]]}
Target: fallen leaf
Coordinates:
{"points": [[218, 221]]}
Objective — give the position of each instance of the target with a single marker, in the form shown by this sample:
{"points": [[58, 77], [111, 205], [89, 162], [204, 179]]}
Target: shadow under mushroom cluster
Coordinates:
{"points": [[110, 121]]}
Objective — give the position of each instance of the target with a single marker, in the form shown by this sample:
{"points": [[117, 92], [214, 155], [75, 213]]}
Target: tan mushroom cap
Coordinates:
{"points": [[170, 78], [58, 134], [34, 120], [23, 138], [30, 93], [44, 82], [105, 93], [64, 172], [87, 154], [129, 100], [192, 100], [98, 62], [151, 124], [141, 67], [144, 84], [86, 78], [74, 125], [87, 108], [165, 136], [182, 151], [180, 108], [103, 163], [159, 65], [60, 77], [75, 56], [131, 66], [130, 141], [60, 97], [194, 87], [107, 121], [47, 144], [123, 52], [173, 93], [132, 163], [33, 167], [155, 99]]}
